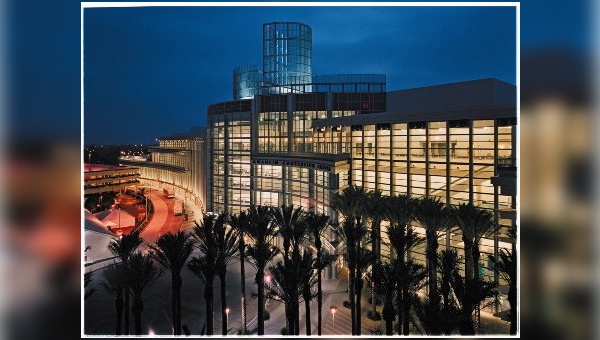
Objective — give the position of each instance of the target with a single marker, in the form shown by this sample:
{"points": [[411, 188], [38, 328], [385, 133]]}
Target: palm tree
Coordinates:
{"points": [[227, 247], [205, 266], [241, 223], [364, 260], [400, 213], [284, 288], [172, 252], [287, 219], [506, 266], [114, 283], [469, 296], [261, 252], [317, 223], [354, 234], [411, 278], [386, 277], [475, 224], [440, 319], [122, 248], [434, 217], [349, 203], [141, 275], [425, 313], [449, 266], [307, 281], [291, 227], [375, 212]]}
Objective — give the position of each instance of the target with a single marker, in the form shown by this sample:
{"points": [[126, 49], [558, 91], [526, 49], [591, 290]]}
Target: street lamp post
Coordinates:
{"points": [[333, 309]]}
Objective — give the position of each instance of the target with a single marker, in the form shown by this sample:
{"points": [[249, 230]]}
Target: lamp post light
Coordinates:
{"points": [[333, 309], [268, 280], [227, 310]]}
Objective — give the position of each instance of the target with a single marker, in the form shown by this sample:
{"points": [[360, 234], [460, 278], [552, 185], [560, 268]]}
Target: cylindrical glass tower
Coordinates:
{"points": [[246, 81], [287, 56]]}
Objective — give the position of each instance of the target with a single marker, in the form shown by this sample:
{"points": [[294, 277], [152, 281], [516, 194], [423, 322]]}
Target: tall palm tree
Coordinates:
{"points": [[227, 247], [241, 223], [292, 228], [449, 266], [411, 278], [469, 296], [400, 213], [506, 266], [261, 252], [141, 275], [114, 283], [354, 235], [122, 248], [317, 223], [172, 252], [475, 224], [307, 281], [364, 260], [350, 203], [284, 288], [375, 212], [386, 277], [435, 218], [205, 267]]}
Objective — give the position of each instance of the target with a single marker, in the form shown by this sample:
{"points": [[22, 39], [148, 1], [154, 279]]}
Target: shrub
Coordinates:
{"points": [[267, 315], [284, 331], [346, 303]]}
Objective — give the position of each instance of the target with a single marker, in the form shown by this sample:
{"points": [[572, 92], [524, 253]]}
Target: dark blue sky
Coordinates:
{"points": [[152, 71]]}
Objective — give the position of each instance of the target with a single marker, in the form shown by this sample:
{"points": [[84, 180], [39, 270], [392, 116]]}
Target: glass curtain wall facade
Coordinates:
{"points": [[287, 55], [229, 160], [454, 160]]}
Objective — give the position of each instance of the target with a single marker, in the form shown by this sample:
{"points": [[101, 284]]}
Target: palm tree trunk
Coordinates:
{"points": [[400, 307], [288, 319], [389, 315], [319, 298], [176, 329], [126, 311], [307, 313], [359, 285], [119, 304], [466, 327], [406, 311], [512, 300], [208, 297], [352, 301], [260, 276], [243, 277], [136, 308], [297, 317], [375, 239], [223, 302], [434, 298]]}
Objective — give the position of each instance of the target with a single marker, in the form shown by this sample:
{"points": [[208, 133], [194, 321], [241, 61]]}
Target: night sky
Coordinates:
{"points": [[149, 72]]}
